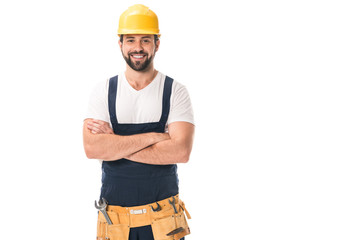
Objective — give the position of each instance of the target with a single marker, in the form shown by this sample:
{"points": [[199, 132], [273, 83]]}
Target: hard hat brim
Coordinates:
{"points": [[132, 31]]}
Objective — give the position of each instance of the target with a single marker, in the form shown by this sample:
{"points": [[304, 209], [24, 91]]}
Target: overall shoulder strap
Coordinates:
{"points": [[113, 82], [166, 99]]}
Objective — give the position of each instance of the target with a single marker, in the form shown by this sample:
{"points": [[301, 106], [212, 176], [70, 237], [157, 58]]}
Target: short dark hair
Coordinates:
{"points": [[156, 37]]}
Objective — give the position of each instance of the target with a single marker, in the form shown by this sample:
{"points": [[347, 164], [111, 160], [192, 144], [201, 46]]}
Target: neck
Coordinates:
{"points": [[140, 79]]}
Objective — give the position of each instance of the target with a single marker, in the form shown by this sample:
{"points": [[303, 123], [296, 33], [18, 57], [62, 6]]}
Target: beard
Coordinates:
{"points": [[137, 65]]}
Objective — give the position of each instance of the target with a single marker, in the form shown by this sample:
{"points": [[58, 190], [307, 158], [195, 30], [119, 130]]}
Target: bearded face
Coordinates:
{"points": [[138, 51]]}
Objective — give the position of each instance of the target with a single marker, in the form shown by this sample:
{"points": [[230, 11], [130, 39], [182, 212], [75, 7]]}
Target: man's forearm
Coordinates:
{"points": [[161, 153]]}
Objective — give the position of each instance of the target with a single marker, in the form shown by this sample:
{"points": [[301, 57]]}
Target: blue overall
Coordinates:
{"points": [[126, 183]]}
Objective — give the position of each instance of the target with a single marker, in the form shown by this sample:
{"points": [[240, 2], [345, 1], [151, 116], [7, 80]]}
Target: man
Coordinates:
{"points": [[140, 123]]}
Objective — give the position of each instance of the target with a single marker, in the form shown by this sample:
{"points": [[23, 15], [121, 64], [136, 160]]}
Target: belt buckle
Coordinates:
{"points": [[138, 211]]}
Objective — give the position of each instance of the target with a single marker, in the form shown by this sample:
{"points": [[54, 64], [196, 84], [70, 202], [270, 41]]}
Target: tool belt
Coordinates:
{"points": [[166, 222]]}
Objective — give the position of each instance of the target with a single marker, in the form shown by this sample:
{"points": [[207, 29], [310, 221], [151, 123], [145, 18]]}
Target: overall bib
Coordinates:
{"points": [[126, 183]]}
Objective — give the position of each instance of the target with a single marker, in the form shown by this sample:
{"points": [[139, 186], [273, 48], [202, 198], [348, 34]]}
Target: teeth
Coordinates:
{"points": [[138, 56]]}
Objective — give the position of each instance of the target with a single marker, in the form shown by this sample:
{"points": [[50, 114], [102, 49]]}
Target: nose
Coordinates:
{"points": [[138, 46]]}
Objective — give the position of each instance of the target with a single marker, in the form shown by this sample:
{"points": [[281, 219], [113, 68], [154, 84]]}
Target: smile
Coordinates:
{"points": [[138, 56]]}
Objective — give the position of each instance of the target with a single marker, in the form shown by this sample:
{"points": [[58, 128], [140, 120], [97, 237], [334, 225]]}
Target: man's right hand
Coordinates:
{"points": [[99, 127]]}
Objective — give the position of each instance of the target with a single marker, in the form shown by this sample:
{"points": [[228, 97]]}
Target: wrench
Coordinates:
{"points": [[102, 207], [158, 208], [173, 204]]}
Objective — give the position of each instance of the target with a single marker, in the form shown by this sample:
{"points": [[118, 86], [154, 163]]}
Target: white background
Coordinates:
{"points": [[274, 86]]}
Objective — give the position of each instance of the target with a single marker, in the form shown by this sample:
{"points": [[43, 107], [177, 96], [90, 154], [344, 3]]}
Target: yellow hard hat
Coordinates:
{"points": [[138, 19]]}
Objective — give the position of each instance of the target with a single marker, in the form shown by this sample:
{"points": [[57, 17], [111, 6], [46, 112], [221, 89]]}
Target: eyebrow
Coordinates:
{"points": [[141, 37]]}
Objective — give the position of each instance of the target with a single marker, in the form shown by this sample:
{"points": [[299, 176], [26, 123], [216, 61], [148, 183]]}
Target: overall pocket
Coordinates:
{"points": [[163, 226], [118, 232]]}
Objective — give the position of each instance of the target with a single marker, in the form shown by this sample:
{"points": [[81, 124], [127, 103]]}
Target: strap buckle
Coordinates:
{"points": [[138, 211]]}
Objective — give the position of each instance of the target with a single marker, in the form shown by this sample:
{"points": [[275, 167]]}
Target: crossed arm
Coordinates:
{"points": [[152, 148]]}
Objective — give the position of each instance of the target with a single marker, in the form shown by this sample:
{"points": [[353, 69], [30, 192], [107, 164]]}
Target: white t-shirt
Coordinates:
{"points": [[143, 106]]}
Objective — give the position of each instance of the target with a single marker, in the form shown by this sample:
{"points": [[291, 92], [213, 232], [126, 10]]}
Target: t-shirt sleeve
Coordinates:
{"points": [[180, 109], [98, 103]]}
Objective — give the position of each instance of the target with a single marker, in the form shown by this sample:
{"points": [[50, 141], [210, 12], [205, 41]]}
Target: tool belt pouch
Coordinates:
{"points": [[163, 226], [116, 231]]}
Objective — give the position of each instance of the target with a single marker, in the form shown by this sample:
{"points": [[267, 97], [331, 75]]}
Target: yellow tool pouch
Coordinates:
{"points": [[116, 231], [165, 223]]}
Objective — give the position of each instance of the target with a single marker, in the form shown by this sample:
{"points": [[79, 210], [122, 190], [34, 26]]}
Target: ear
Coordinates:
{"points": [[157, 45], [120, 44]]}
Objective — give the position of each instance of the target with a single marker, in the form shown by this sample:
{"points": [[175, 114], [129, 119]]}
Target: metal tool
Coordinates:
{"points": [[101, 205], [173, 204], [176, 231], [158, 208]]}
